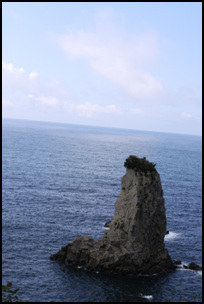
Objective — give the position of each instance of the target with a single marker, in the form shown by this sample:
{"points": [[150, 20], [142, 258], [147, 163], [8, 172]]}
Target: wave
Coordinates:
{"points": [[171, 236], [105, 228], [181, 267], [148, 297]]}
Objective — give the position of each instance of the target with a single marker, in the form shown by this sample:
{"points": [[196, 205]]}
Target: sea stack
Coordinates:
{"points": [[134, 243]]}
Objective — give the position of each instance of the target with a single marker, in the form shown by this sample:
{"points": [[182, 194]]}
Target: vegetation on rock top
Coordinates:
{"points": [[139, 164]]}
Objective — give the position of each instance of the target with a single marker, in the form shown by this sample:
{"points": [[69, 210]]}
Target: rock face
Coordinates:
{"points": [[134, 244]]}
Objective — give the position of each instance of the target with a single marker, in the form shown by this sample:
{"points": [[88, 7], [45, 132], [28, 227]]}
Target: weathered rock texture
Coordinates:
{"points": [[134, 244]]}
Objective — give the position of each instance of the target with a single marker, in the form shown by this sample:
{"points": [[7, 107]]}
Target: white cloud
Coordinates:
{"points": [[48, 100], [9, 70], [13, 78], [124, 61], [19, 87], [17, 79], [6, 103], [33, 75], [186, 115], [9, 67], [31, 96], [45, 100], [89, 109]]}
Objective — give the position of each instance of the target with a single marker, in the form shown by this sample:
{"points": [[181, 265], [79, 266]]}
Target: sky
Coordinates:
{"points": [[132, 65]]}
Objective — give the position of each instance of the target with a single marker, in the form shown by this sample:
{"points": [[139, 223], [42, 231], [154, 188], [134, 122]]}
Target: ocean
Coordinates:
{"points": [[61, 180]]}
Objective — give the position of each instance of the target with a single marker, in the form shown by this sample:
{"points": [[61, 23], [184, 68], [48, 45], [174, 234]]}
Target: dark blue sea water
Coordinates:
{"points": [[60, 181]]}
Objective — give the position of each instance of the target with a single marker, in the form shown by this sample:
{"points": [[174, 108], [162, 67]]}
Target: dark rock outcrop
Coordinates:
{"points": [[134, 244], [193, 266]]}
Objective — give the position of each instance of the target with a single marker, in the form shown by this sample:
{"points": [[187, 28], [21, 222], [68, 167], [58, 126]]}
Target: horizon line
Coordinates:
{"points": [[97, 126]]}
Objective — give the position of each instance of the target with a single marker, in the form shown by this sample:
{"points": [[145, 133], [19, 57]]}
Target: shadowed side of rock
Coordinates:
{"points": [[134, 243]]}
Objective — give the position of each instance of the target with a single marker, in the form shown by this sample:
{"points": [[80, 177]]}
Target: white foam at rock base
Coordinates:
{"points": [[148, 297], [171, 236], [181, 267]]}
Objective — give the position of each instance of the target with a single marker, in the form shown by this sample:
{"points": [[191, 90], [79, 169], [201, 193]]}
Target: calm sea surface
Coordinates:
{"points": [[60, 181]]}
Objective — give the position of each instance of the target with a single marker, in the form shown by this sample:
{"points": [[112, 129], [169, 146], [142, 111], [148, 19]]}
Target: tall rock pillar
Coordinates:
{"points": [[134, 244]]}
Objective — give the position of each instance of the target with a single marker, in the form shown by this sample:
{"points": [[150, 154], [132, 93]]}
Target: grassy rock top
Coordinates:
{"points": [[139, 164]]}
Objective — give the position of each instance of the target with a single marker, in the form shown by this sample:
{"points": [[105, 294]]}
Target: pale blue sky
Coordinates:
{"points": [[124, 65]]}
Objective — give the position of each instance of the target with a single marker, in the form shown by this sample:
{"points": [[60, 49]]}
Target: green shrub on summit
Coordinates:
{"points": [[139, 164]]}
